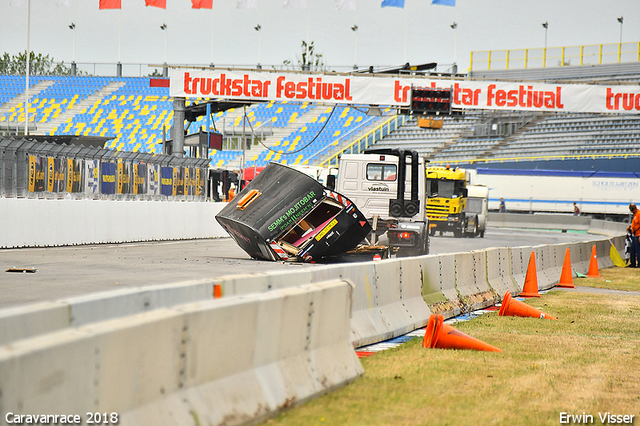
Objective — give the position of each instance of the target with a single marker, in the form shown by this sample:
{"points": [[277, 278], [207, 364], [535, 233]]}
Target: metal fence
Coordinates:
{"points": [[55, 171], [596, 54]]}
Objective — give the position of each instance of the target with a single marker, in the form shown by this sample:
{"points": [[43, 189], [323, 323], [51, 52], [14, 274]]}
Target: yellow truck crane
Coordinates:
{"points": [[447, 202]]}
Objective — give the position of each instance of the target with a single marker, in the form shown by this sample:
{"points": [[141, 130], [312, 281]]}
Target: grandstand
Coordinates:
{"points": [[136, 117]]}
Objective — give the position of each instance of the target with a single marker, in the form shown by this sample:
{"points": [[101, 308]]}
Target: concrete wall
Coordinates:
{"points": [[47, 223]]}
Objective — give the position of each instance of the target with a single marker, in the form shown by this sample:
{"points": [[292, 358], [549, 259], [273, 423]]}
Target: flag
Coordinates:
{"points": [[64, 3], [346, 5], [18, 3], [444, 2], [295, 4], [201, 4], [247, 4], [392, 3], [162, 4], [109, 4]]}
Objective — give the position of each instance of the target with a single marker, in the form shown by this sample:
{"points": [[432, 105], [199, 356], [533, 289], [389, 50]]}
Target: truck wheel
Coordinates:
{"points": [[482, 234], [473, 232]]}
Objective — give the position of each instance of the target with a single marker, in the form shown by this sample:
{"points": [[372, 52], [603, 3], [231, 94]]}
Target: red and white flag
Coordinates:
{"points": [[201, 4], [109, 4], [162, 4]]}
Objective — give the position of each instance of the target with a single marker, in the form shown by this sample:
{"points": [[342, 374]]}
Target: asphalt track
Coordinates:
{"points": [[75, 270]]}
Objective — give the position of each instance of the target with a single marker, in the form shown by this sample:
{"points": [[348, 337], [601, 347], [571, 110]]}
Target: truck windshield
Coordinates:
{"points": [[474, 205], [381, 172], [445, 188]]}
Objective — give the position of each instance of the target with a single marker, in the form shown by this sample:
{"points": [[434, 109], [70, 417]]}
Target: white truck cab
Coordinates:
{"points": [[388, 187]]}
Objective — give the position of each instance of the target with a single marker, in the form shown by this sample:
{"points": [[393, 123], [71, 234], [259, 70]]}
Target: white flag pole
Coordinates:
{"points": [[28, 71], [405, 35]]}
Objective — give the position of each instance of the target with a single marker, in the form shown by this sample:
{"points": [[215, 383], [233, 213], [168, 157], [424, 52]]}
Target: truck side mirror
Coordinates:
{"points": [[331, 182]]}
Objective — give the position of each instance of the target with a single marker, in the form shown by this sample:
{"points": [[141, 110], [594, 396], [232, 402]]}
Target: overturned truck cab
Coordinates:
{"points": [[284, 214]]}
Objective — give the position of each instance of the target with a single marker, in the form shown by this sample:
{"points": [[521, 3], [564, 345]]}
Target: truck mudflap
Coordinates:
{"points": [[285, 214]]}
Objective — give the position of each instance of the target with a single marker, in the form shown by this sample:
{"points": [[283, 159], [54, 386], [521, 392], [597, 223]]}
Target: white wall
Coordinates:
{"points": [[38, 222]]}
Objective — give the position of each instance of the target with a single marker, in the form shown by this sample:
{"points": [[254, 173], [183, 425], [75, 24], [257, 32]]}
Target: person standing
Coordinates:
{"points": [[634, 228], [503, 207], [576, 210]]}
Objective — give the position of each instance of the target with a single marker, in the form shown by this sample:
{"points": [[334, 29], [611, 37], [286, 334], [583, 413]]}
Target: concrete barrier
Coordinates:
{"points": [[233, 361], [539, 221], [499, 274], [31, 320], [39, 318], [471, 280], [519, 262], [49, 223], [607, 227], [545, 264]]}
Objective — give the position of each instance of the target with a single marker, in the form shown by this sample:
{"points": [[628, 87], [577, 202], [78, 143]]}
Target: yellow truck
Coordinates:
{"points": [[447, 202]]}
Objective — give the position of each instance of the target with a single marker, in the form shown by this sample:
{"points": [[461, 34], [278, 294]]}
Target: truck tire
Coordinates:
{"points": [[474, 231]]}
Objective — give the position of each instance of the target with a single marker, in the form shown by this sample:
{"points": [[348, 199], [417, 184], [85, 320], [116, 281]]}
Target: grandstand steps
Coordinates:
{"points": [[87, 103], [494, 150], [273, 141], [18, 101]]}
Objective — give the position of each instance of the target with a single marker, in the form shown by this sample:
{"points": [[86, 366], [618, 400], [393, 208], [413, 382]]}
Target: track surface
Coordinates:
{"points": [[70, 271]]}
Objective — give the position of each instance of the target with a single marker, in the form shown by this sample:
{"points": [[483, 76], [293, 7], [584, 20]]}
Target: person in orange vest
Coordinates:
{"points": [[634, 228], [232, 193]]}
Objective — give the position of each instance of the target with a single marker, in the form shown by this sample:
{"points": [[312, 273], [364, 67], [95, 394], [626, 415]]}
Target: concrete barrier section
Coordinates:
{"points": [[102, 306], [519, 263], [31, 320], [431, 282], [447, 278], [228, 361], [544, 266], [499, 271], [471, 280], [583, 253], [39, 318]]}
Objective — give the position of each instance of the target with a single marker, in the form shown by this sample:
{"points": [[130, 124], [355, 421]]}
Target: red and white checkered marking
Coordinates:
{"points": [[279, 251]]}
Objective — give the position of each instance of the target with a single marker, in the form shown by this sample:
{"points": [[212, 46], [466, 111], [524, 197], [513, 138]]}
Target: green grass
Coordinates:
{"points": [[586, 361]]}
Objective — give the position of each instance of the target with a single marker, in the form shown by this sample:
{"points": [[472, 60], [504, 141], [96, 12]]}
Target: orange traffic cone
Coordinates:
{"points": [[514, 308], [593, 265], [566, 277], [530, 288], [443, 336]]}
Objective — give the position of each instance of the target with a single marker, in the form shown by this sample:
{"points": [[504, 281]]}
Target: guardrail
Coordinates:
{"points": [[172, 355], [594, 54]]}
